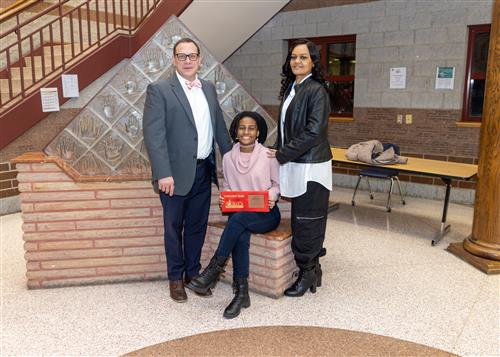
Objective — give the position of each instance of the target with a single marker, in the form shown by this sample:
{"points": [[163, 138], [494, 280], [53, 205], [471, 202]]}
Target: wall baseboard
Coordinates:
{"points": [[10, 205]]}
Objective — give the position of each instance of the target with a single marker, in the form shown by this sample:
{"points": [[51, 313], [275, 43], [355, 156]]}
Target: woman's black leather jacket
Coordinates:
{"points": [[306, 125]]}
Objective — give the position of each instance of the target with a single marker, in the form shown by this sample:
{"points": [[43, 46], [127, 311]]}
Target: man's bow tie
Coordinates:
{"points": [[195, 83]]}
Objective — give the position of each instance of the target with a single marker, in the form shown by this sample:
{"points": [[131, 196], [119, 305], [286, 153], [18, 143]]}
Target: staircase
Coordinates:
{"points": [[87, 37], [34, 68], [44, 39], [47, 38]]}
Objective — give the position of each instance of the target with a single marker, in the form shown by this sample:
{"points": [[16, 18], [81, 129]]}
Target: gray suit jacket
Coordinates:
{"points": [[170, 132]]}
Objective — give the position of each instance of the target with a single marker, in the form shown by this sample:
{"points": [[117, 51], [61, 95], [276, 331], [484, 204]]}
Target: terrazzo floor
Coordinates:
{"points": [[381, 276]]}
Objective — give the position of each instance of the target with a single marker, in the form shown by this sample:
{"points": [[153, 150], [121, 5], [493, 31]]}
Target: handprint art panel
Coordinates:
{"points": [[271, 124], [141, 148], [106, 138], [87, 127], [112, 148], [130, 82], [134, 165], [238, 102], [90, 164], [169, 34], [223, 81], [130, 126], [66, 146], [152, 61], [108, 104]]}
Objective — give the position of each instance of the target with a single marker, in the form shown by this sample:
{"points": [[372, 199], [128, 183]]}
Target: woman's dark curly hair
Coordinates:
{"points": [[261, 125], [287, 76]]}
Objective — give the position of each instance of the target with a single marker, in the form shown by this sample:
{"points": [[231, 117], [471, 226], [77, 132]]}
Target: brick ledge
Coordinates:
{"points": [[40, 157]]}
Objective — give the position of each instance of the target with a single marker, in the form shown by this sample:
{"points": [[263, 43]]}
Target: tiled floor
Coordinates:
{"points": [[381, 275]]}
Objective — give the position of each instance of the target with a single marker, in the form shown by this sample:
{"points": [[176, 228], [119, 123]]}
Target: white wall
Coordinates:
{"points": [[224, 25]]}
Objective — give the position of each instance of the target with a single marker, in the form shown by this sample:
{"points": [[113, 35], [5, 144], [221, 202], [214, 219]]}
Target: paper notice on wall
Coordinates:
{"points": [[70, 85], [445, 77], [397, 78], [50, 99]]}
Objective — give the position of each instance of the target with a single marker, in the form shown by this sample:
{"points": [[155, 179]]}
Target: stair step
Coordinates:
{"points": [[16, 86], [4, 96], [48, 62], [15, 73], [57, 55], [58, 50]]}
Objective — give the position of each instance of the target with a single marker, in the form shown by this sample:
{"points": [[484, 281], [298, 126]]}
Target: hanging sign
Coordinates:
{"points": [[50, 100]]}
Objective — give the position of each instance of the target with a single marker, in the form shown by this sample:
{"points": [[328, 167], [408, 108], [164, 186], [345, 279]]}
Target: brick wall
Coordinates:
{"points": [[77, 233], [433, 135], [8, 182]]}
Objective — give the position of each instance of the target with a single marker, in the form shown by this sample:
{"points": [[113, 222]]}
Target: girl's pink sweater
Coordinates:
{"points": [[251, 171]]}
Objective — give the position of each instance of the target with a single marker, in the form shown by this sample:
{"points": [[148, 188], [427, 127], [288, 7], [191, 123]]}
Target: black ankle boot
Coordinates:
{"points": [[319, 273], [306, 280], [241, 298], [207, 279]]}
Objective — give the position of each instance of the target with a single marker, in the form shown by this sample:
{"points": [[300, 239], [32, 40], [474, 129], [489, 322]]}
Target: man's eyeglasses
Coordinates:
{"points": [[183, 56]]}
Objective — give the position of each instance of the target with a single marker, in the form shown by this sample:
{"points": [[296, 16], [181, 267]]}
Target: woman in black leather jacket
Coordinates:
{"points": [[303, 152]]}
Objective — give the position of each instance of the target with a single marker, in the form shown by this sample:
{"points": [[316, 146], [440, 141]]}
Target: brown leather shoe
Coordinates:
{"points": [[207, 294], [177, 291]]}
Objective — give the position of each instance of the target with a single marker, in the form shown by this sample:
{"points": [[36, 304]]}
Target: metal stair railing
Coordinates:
{"points": [[63, 33]]}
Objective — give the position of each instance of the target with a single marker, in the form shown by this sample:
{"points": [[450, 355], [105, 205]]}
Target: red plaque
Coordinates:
{"points": [[251, 201]]}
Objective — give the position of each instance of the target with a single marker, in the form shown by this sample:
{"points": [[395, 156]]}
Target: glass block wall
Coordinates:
{"points": [[105, 138]]}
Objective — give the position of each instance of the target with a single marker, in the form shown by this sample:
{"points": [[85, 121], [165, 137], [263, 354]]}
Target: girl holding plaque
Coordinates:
{"points": [[303, 151], [246, 167]]}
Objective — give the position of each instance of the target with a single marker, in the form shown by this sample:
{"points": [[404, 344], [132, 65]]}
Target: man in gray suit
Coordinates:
{"points": [[182, 117]]}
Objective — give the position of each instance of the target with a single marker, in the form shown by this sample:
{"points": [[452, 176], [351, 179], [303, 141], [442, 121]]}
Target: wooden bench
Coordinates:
{"points": [[271, 258]]}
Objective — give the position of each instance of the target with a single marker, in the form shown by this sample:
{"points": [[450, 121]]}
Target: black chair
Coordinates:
{"points": [[381, 173]]}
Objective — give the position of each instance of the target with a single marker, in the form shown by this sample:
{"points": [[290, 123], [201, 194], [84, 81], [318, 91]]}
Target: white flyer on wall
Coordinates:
{"points": [[70, 85], [445, 77], [50, 99], [397, 78]]}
